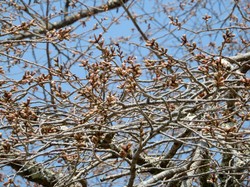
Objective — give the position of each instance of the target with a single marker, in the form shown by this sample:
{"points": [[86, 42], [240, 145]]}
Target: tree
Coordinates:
{"points": [[124, 93]]}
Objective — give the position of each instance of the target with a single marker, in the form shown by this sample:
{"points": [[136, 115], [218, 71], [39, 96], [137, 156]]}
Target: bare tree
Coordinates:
{"points": [[124, 93]]}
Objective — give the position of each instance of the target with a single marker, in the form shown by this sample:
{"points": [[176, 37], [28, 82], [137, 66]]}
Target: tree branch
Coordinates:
{"points": [[244, 60], [200, 157], [37, 173], [165, 174], [175, 147], [69, 20]]}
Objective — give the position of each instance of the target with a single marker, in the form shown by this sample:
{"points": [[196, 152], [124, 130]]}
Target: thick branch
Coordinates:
{"points": [[243, 59], [69, 20], [139, 160], [35, 173], [38, 174], [165, 174], [200, 159], [175, 147]]}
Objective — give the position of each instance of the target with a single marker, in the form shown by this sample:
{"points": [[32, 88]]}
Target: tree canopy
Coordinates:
{"points": [[124, 93]]}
